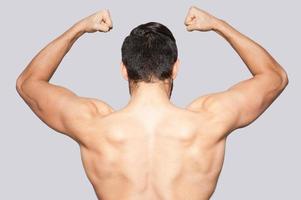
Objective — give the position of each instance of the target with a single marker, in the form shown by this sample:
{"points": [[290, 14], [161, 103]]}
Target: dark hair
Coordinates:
{"points": [[149, 52]]}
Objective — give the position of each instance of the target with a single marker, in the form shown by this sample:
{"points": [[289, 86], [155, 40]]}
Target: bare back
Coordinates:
{"points": [[156, 152], [167, 154]]}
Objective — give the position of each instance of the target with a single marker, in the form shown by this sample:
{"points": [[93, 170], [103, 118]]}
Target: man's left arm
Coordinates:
{"points": [[58, 107]]}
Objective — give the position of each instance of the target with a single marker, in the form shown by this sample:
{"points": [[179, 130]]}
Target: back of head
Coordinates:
{"points": [[149, 53]]}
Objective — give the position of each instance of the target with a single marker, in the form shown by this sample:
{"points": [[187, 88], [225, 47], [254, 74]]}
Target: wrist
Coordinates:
{"points": [[80, 27], [217, 23], [73, 33]]}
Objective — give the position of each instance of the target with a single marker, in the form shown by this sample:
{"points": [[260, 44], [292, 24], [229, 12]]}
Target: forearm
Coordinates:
{"points": [[257, 59], [45, 63]]}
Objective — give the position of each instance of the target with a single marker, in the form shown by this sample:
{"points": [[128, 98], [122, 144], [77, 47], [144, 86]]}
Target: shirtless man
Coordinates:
{"points": [[152, 149]]}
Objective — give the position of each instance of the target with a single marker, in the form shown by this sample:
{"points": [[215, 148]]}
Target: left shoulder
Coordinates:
{"points": [[102, 107], [83, 119]]}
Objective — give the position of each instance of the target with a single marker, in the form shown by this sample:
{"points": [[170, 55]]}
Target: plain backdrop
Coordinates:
{"points": [[262, 160]]}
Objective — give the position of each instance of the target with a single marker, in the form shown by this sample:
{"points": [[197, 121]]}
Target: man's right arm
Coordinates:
{"points": [[244, 102]]}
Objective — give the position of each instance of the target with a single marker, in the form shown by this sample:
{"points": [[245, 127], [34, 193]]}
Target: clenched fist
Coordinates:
{"points": [[200, 20], [99, 21]]}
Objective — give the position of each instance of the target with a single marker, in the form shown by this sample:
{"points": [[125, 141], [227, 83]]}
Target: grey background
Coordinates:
{"points": [[262, 160]]}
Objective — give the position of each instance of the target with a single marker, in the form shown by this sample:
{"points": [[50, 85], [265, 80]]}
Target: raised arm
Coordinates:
{"points": [[58, 107], [244, 102]]}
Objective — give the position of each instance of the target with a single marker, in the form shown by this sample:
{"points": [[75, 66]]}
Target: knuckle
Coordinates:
{"points": [[193, 8]]}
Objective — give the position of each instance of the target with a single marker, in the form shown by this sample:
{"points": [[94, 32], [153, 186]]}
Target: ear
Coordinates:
{"points": [[175, 69], [124, 72]]}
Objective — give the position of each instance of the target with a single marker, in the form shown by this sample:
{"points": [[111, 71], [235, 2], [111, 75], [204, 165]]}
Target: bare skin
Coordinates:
{"points": [[152, 149]]}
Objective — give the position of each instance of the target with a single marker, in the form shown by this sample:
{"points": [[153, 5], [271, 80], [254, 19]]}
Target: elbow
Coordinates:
{"points": [[19, 84], [281, 77], [284, 78], [278, 79]]}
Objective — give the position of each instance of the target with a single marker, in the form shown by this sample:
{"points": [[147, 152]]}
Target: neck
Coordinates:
{"points": [[150, 94]]}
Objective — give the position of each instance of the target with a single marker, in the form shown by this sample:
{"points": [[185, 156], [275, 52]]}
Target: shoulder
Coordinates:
{"points": [[214, 117], [100, 107], [85, 113], [213, 104]]}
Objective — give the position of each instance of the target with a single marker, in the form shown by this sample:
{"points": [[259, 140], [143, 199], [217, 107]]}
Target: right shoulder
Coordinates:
{"points": [[219, 119]]}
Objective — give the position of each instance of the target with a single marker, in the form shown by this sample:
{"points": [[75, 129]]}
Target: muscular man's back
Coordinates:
{"points": [[169, 153], [151, 149]]}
